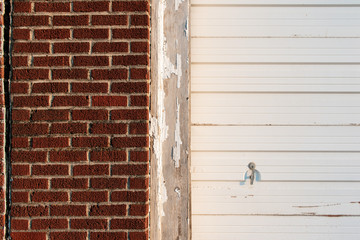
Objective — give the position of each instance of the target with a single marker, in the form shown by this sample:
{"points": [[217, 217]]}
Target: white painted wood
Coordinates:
{"points": [[274, 78], [276, 50], [283, 21], [275, 108], [283, 138], [335, 3], [275, 227], [275, 82]]}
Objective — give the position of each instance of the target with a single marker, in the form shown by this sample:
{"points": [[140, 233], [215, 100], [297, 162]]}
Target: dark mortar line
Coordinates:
{"points": [[7, 44]]}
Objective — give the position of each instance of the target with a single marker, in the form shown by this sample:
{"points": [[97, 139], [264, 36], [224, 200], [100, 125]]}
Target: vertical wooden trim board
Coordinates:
{"points": [[169, 131]]}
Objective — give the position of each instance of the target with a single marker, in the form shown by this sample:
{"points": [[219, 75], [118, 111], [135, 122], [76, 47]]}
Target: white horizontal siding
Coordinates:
{"points": [[275, 108], [275, 82], [249, 21], [275, 227]]}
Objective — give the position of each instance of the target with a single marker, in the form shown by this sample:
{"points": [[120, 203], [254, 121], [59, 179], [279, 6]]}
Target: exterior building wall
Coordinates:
{"points": [[2, 126], [80, 108]]}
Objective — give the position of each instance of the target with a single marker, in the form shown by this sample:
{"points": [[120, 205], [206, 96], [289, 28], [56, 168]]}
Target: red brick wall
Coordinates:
{"points": [[80, 120], [2, 127]]}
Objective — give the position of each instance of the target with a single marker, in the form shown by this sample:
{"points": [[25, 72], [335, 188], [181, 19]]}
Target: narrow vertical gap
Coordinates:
{"points": [[7, 76]]}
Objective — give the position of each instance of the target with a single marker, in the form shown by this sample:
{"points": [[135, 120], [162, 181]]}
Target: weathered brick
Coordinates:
{"points": [[141, 223], [89, 223], [49, 224], [67, 156]]}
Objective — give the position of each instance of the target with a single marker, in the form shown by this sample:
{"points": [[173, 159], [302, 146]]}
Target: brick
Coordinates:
{"points": [[70, 73], [29, 183], [20, 170], [29, 211], [49, 196], [134, 33], [92, 170], [19, 87], [114, 20], [50, 87], [22, 21], [130, 87], [139, 100], [90, 115], [90, 142], [89, 223], [129, 223], [108, 236], [109, 101], [31, 47], [67, 210], [51, 61], [108, 183], [30, 129], [127, 196], [103, 74], [90, 33], [108, 128], [139, 128], [67, 156], [70, 101], [81, 20], [52, 33], [50, 142], [89, 6], [66, 183], [19, 142], [22, 7], [130, 60], [21, 34], [139, 73], [71, 47], [28, 156], [19, 61], [125, 142], [68, 235], [52, 7], [140, 47], [90, 196], [91, 61], [140, 20], [28, 235], [50, 170], [108, 156], [68, 128], [19, 197], [19, 224], [38, 224], [139, 210], [93, 87], [30, 74], [31, 101], [50, 115], [130, 114], [131, 6], [108, 210], [138, 235], [108, 47], [130, 169], [139, 183]]}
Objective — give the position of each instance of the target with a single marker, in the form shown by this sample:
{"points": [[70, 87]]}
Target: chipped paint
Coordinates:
{"points": [[186, 28], [158, 127], [177, 4], [178, 192], [176, 154]]}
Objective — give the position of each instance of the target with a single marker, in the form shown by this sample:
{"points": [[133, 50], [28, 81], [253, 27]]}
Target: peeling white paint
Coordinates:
{"points": [[177, 4], [158, 128], [169, 67], [176, 154], [178, 192], [186, 29]]}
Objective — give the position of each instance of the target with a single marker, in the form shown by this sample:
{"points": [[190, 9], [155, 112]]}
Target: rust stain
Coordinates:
{"points": [[355, 202]]}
